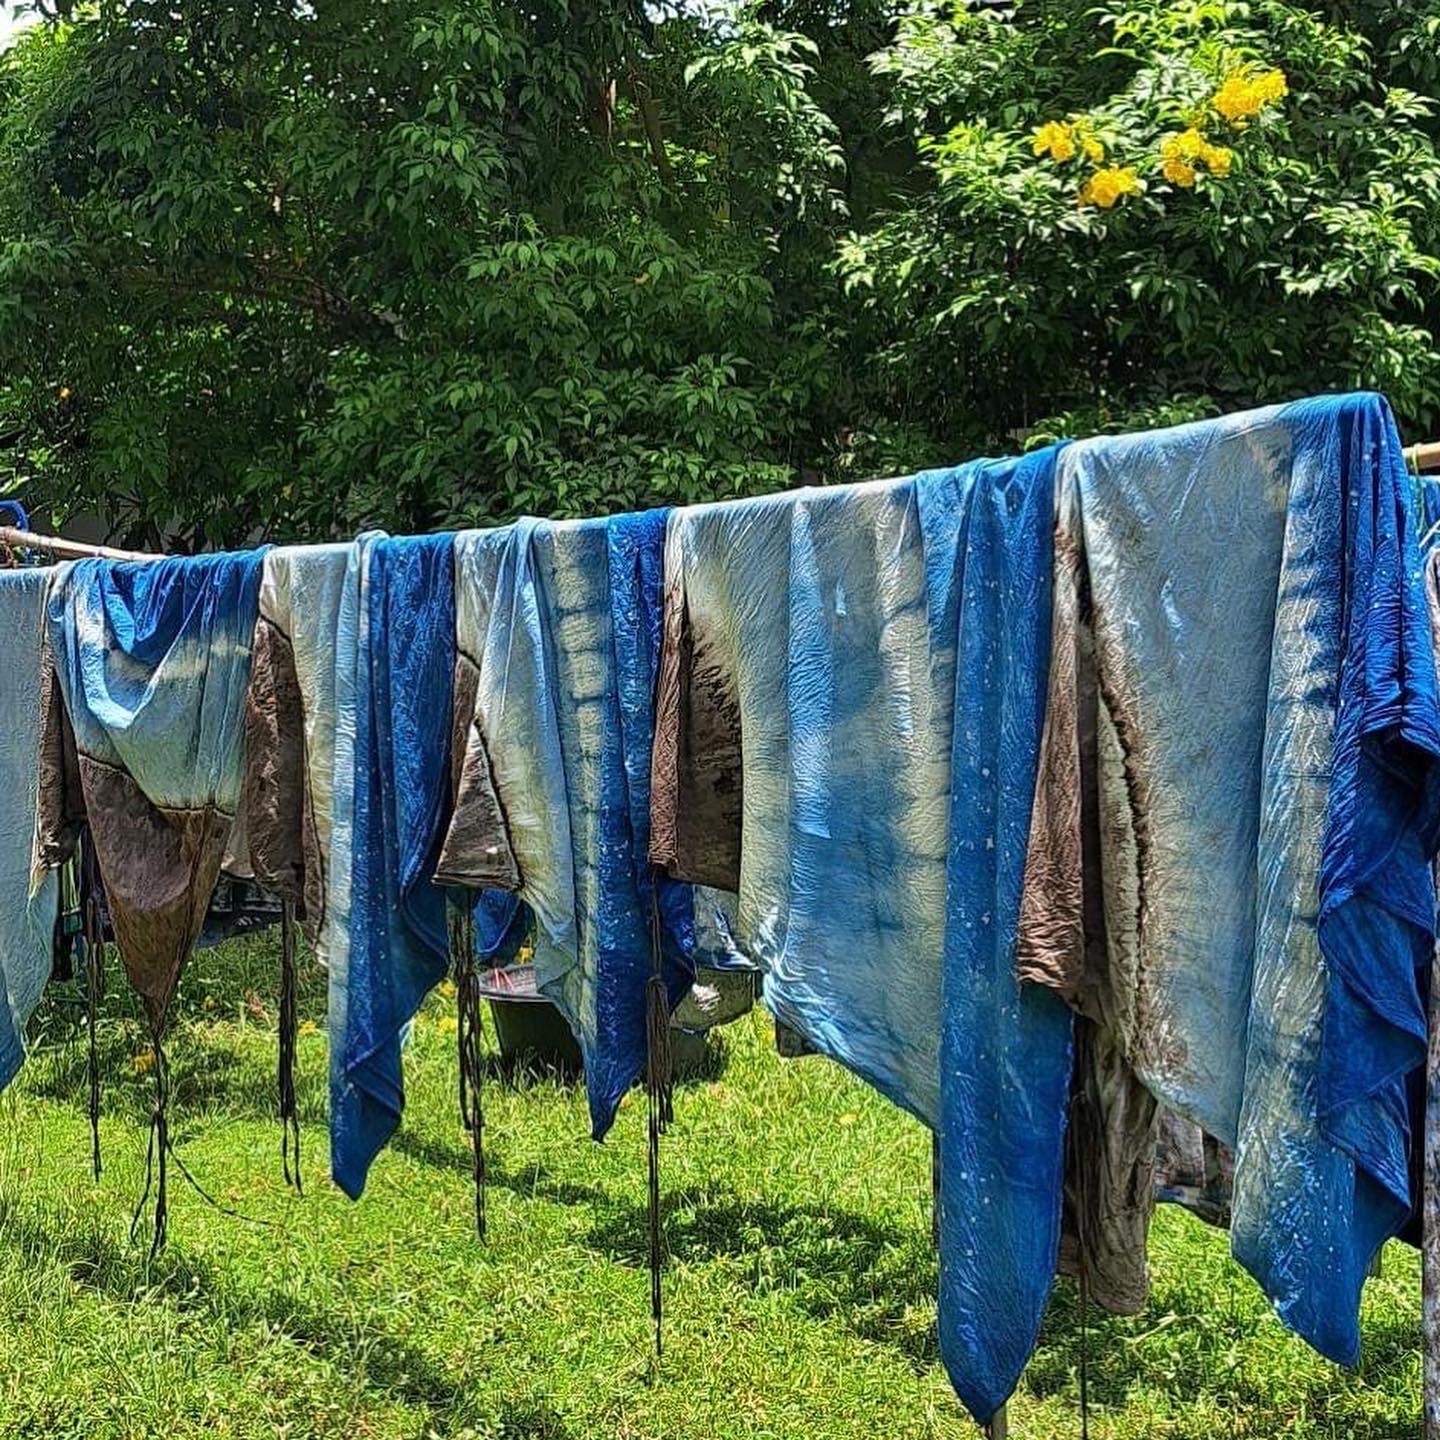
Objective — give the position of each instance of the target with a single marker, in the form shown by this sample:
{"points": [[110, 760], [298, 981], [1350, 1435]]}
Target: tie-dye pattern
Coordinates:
{"points": [[560, 623], [388, 935], [27, 921], [1266, 679], [153, 663], [807, 619]]}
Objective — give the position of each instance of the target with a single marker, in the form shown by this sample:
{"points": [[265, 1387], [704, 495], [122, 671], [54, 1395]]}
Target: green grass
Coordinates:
{"points": [[799, 1285]]}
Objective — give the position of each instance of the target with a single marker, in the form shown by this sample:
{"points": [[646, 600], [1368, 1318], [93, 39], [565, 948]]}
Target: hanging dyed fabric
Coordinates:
{"points": [[387, 938], [143, 735], [830, 656], [286, 814], [27, 919], [558, 628], [290, 728], [802, 759], [1005, 1051], [1266, 730]]}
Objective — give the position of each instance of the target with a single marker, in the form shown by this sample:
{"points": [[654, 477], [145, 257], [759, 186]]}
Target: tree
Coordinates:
{"points": [[285, 271], [1160, 211]]}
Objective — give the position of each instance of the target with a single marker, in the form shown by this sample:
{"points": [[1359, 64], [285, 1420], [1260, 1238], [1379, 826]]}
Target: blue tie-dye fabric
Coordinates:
{"points": [[561, 621], [402, 610], [27, 919], [809, 610], [153, 663], [1004, 1052], [1260, 635]]}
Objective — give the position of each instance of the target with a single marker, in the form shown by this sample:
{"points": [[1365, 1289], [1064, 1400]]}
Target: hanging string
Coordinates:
{"points": [[470, 1036], [289, 1034], [1084, 1350], [93, 936], [157, 1153], [659, 1093]]}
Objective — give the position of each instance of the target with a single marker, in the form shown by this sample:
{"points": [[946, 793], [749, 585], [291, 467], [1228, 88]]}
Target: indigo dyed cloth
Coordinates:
{"points": [[144, 720], [27, 920], [290, 720], [803, 760], [395, 646], [1266, 744], [1005, 1050], [558, 629]]}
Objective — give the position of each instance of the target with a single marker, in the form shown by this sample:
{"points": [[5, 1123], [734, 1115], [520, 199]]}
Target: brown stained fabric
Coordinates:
{"points": [[1076, 878], [278, 811], [60, 803], [477, 852], [159, 869], [696, 782]]}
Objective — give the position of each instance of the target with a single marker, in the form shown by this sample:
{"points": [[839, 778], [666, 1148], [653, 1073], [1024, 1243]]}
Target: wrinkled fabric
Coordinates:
{"points": [[388, 932], [1193, 1170], [27, 921], [1266, 735], [558, 627], [290, 720], [831, 658], [144, 733], [1005, 1050], [797, 655]]}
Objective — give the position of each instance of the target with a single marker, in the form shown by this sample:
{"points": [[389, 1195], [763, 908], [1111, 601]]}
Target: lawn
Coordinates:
{"points": [[799, 1285]]}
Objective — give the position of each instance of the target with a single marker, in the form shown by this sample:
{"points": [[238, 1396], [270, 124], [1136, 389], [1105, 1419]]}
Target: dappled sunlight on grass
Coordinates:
{"points": [[799, 1284]]}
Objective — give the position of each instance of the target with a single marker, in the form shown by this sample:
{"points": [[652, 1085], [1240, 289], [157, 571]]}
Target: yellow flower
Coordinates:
{"points": [[308, 1027], [1056, 139], [1217, 159], [447, 989], [1187, 145], [1105, 187], [1183, 153], [447, 1025], [1094, 150], [1246, 93], [144, 1062], [64, 392]]}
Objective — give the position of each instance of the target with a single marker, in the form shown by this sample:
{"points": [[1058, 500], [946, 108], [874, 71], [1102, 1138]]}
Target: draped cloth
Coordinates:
{"points": [[386, 932], [802, 759], [558, 630], [1005, 1050], [290, 722], [27, 920], [143, 739], [1266, 736], [848, 724]]}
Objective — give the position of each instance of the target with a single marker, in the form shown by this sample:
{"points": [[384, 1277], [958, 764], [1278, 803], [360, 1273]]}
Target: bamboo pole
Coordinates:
{"points": [[65, 549], [1424, 457]]}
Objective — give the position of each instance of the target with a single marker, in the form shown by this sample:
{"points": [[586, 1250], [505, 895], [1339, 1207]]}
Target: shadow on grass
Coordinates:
{"points": [[356, 1343]]}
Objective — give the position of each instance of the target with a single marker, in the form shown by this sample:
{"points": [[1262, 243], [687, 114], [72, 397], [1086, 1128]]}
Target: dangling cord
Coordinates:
{"points": [[158, 1150], [1084, 1351], [470, 1034], [93, 934], [659, 1075], [289, 1030]]}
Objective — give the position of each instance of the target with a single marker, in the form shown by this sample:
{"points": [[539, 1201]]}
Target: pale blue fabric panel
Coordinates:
{"points": [[814, 605], [27, 915]]}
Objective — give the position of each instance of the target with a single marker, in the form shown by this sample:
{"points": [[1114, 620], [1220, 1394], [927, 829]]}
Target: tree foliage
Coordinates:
{"points": [[290, 270]]}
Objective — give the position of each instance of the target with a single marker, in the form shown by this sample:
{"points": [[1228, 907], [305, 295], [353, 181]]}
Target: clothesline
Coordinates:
{"points": [[66, 549], [1423, 457]]}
